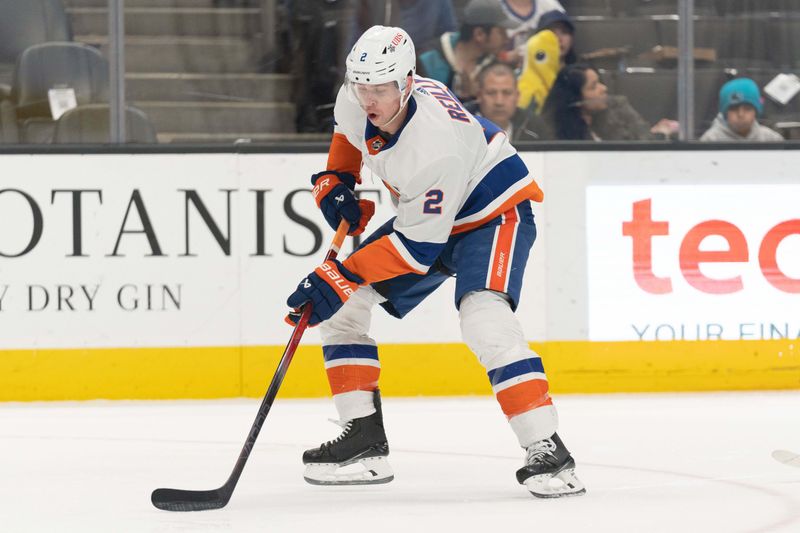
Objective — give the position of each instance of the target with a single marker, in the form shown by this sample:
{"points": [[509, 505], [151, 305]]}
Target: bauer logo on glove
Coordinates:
{"points": [[333, 193], [343, 285], [321, 185], [326, 290]]}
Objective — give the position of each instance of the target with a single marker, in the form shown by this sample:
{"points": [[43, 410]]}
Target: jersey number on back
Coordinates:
{"points": [[433, 203]]}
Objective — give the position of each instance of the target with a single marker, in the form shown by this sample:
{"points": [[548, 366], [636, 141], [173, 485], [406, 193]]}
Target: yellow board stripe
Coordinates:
{"points": [[408, 370]]}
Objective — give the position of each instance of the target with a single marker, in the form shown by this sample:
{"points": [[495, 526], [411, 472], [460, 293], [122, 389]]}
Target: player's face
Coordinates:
{"points": [[498, 98], [594, 93], [379, 102], [741, 118]]}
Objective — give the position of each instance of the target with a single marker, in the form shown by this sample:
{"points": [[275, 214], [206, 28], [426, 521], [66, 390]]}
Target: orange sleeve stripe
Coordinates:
{"points": [[348, 378], [378, 261], [530, 192], [524, 397], [344, 157]]}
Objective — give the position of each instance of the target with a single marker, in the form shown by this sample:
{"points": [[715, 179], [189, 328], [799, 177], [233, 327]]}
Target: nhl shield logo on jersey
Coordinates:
{"points": [[374, 144]]}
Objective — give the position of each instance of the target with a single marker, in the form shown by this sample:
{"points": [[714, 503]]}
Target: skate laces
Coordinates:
{"points": [[538, 450], [346, 427]]}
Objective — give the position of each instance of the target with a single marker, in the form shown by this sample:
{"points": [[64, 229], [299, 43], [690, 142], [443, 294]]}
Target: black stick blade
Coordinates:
{"points": [[189, 500]]}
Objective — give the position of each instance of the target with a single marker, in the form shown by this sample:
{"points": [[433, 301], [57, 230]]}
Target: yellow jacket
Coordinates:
{"points": [[539, 69]]}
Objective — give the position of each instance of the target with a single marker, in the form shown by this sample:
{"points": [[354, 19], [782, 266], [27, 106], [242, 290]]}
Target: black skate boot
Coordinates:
{"points": [[549, 470], [363, 442]]}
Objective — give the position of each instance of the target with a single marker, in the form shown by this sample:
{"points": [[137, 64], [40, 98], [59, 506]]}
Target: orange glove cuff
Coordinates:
{"points": [[323, 186]]}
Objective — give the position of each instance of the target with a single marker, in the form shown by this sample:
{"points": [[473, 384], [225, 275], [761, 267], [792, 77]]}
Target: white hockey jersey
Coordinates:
{"points": [[447, 170], [527, 25]]}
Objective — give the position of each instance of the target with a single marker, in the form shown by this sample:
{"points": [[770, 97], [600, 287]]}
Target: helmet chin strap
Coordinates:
{"points": [[403, 101]]}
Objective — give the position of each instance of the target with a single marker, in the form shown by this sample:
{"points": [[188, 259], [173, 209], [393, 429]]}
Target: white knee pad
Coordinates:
{"points": [[350, 325], [491, 329]]}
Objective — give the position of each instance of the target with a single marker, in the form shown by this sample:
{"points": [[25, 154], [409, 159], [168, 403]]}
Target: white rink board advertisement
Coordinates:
{"points": [[163, 250], [175, 250], [693, 262]]}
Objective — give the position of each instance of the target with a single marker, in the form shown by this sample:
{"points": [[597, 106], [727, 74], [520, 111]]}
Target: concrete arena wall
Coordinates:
{"points": [[165, 276]]}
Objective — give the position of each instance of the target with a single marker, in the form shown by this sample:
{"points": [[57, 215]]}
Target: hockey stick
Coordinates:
{"points": [[202, 500], [786, 457]]}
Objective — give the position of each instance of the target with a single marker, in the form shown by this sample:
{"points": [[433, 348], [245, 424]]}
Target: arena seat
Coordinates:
{"points": [[46, 66], [634, 34], [666, 7], [24, 23], [739, 41], [737, 7], [654, 93], [589, 8], [707, 83], [785, 37], [91, 124]]}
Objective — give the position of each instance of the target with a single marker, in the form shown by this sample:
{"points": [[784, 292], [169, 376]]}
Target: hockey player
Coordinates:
{"points": [[462, 196]]}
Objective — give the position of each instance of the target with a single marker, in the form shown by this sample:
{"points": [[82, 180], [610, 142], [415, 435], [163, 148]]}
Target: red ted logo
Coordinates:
{"points": [[642, 229]]}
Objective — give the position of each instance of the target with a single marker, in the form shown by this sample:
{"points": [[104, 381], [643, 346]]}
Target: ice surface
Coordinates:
{"points": [[651, 463]]}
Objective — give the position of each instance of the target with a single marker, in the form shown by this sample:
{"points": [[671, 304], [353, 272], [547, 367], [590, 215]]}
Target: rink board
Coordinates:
{"points": [[165, 276], [407, 370]]}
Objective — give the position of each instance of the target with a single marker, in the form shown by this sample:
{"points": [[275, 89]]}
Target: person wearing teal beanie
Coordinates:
{"points": [[740, 104]]}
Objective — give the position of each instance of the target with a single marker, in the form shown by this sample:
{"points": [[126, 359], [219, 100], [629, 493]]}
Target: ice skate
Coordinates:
{"points": [[356, 457], [549, 470]]}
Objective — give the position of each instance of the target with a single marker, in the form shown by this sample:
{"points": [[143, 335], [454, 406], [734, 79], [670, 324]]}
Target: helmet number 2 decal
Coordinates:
{"points": [[433, 203], [363, 57]]}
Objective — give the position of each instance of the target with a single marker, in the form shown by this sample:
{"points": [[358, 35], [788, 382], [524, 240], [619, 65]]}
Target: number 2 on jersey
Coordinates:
{"points": [[433, 203]]}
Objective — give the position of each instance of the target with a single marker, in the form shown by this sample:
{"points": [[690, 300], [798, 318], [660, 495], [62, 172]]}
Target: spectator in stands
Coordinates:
{"points": [[526, 15], [497, 100], [459, 56], [559, 23], [579, 108], [539, 70], [740, 104], [423, 20], [546, 52]]}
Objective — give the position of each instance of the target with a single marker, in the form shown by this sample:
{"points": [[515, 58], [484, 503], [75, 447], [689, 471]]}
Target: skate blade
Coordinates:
{"points": [[564, 483], [369, 471]]}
